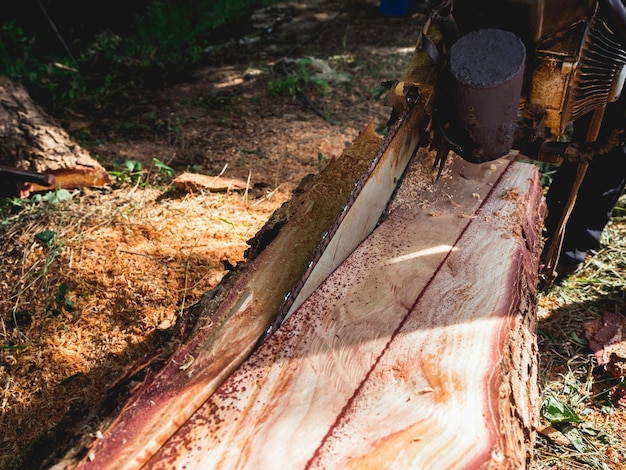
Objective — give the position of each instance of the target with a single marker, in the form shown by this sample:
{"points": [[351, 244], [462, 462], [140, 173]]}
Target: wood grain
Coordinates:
{"points": [[417, 352], [347, 195]]}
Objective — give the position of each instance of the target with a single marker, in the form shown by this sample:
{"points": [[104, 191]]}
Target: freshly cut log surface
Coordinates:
{"points": [[417, 352], [289, 258]]}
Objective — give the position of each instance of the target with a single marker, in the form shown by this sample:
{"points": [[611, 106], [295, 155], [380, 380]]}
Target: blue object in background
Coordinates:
{"points": [[397, 7]]}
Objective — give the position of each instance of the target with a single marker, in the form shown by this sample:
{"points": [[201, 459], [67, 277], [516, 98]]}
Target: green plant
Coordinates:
{"points": [[61, 301], [163, 37], [55, 197], [167, 171], [546, 172], [53, 76], [295, 82], [16, 59], [125, 171], [287, 86], [50, 238], [10, 208], [132, 171]]}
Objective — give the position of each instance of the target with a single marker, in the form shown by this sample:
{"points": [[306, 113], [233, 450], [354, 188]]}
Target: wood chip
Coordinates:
{"points": [[197, 182]]}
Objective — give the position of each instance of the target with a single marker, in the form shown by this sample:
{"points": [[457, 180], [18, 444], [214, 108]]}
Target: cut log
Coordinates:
{"points": [[417, 352], [31, 140], [289, 258]]}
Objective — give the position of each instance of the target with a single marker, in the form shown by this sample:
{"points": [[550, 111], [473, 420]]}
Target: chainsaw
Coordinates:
{"points": [[491, 77], [514, 75]]}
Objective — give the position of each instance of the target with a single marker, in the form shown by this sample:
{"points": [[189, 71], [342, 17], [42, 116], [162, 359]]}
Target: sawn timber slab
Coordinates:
{"points": [[417, 352]]}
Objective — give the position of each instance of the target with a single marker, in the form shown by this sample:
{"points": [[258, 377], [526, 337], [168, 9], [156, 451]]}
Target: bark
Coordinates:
{"points": [[31, 140], [417, 352]]}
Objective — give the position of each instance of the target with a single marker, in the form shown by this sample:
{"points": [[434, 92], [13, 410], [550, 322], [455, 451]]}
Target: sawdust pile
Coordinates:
{"points": [[89, 288]]}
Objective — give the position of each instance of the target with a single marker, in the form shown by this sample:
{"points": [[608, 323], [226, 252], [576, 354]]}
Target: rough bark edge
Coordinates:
{"points": [[519, 397]]}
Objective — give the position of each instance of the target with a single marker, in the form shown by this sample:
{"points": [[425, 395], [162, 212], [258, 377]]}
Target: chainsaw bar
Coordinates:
{"points": [[304, 287]]}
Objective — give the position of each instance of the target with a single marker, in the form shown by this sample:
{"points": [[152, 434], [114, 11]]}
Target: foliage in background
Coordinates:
{"points": [[295, 81], [161, 39]]}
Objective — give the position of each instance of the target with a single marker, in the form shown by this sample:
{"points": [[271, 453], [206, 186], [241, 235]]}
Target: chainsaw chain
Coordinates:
{"points": [[411, 101]]}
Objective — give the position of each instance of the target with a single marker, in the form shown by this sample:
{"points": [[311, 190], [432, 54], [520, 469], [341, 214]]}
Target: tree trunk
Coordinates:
{"points": [[417, 352], [30, 140]]}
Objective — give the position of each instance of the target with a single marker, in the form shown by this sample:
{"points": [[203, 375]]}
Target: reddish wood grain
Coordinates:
{"points": [[417, 352]]}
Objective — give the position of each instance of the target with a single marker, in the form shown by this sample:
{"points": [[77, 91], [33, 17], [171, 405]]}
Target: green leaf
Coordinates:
{"points": [[574, 436], [132, 165], [71, 378], [167, 171], [577, 339], [555, 411], [55, 197], [47, 236], [61, 293]]}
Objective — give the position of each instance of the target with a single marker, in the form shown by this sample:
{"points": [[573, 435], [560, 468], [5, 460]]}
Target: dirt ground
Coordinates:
{"points": [[124, 261]]}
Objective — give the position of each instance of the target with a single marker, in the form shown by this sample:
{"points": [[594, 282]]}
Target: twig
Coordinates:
{"points": [[267, 196], [58, 34], [134, 253], [182, 303], [245, 194], [223, 170]]}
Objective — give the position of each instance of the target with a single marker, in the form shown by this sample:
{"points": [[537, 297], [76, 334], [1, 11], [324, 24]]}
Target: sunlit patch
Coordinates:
{"points": [[436, 250], [234, 81]]}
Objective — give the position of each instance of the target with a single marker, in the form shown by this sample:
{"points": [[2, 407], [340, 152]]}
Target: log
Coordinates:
{"points": [[31, 140], [417, 352]]}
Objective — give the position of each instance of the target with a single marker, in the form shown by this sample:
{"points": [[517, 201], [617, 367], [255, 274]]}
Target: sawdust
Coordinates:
{"points": [[130, 265]]}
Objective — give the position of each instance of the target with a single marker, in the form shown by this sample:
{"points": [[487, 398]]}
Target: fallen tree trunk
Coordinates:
{"points": [[31, 140], [417, 352]]}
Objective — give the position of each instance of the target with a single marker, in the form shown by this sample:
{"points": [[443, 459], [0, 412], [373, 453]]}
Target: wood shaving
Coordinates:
{"points": [[511, 194]]}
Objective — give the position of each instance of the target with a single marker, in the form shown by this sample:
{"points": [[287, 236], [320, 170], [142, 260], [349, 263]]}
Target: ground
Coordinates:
{"points": [[94, 283]]}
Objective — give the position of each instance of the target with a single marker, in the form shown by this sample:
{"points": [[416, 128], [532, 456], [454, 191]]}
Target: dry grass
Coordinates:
{"points": [[568, 369]]}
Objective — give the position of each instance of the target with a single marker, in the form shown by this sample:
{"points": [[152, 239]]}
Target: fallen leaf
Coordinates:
{"points": [[556, 436], [619, 397], [607, 339]]}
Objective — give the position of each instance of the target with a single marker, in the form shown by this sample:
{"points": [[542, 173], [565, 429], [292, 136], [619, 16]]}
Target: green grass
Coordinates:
{"points": [[166, 38], [576, 392]]}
